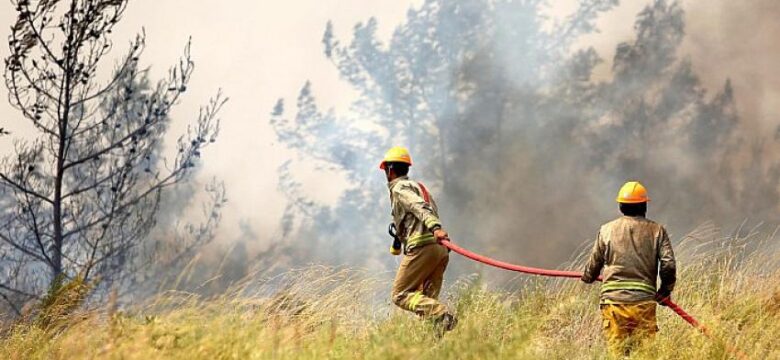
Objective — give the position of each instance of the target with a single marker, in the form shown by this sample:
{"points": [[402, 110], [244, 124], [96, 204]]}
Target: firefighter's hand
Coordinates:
{"points": [[440, 235]]}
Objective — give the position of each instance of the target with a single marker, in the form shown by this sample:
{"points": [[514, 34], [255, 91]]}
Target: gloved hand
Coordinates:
{"points": [[661, 294]]}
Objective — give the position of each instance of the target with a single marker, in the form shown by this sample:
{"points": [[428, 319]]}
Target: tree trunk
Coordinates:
{"points": [[65, 103]]}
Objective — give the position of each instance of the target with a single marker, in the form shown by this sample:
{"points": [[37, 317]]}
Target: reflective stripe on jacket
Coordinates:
{"points": [[633, 252], [414, 212]]}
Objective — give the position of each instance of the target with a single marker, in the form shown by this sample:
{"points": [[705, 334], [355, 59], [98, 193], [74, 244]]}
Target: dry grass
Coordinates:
{"points": [[336, 313]]}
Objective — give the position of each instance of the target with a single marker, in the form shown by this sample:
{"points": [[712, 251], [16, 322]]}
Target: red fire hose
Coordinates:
{"points": [[573, 274]]}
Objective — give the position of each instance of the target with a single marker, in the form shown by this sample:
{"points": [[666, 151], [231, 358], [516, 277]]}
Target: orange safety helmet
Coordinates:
{"points": [[632, 192], [396, 154]]}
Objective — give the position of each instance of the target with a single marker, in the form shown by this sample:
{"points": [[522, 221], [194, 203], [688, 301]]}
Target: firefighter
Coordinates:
{"points": [[632, 251], [419, 279]]}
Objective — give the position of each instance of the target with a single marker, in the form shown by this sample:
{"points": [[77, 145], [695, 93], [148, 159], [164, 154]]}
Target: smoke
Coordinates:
{"points": [[652, 121], [522, 148], [737, 40]]}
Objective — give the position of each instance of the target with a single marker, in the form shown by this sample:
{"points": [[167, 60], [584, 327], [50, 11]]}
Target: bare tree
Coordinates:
{"points": [[83, 196]]}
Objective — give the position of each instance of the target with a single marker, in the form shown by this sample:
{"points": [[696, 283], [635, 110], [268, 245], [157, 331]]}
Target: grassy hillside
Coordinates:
{"points": [[328, 313]]}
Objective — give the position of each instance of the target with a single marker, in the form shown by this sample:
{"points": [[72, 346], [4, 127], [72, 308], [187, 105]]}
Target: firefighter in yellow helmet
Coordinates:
{"points": [[415, 217], [631, 251]]}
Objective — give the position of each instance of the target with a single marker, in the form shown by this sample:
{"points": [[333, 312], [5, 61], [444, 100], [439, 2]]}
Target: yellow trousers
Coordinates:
{"points": [[419, 279], [626, 325]]}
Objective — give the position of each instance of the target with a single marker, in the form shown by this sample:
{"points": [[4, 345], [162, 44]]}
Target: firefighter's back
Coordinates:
{"points": [[631, 258]]}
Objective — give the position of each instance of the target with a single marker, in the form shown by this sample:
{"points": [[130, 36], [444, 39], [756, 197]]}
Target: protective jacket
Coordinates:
{"points": [[414, 212], [633, 252]]}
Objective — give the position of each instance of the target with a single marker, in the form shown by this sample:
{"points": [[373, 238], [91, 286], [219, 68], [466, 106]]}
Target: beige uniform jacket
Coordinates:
{"points": [[633, 252], [414, 217]]}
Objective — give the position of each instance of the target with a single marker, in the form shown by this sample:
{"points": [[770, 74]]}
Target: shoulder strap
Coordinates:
{"points": [[426, 195]]}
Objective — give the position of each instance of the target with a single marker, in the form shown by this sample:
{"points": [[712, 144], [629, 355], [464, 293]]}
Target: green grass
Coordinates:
{"points": [[330, 313]]}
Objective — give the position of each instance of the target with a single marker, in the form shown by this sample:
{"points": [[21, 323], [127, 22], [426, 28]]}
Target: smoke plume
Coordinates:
{"points": [[522, 148]]}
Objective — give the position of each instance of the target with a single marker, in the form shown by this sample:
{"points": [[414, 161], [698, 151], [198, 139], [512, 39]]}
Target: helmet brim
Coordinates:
{"points": [[383, 164], [625, 201]]}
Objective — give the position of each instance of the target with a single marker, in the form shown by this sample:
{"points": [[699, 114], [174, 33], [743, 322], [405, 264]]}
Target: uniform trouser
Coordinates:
{"points": [[418, 281], [625, 325]]}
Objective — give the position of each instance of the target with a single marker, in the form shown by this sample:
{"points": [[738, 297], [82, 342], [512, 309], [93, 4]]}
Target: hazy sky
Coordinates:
{"points": [[258, 51]]}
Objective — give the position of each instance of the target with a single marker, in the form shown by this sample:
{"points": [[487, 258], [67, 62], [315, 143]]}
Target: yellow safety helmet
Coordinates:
{"points": [[632, 193], [396, 154]]}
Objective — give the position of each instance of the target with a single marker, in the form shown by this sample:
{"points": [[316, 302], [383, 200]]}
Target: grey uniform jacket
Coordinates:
{"points": [[633, 252], [414, 217]]}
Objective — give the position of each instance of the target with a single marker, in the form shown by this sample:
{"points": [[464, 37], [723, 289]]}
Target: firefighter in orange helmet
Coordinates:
{"points": [[419, 279], [631, 251]]}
